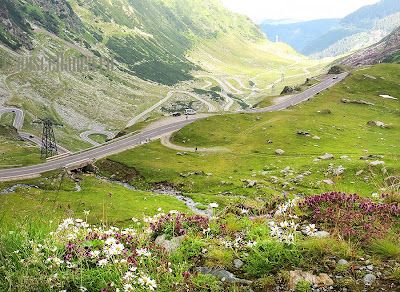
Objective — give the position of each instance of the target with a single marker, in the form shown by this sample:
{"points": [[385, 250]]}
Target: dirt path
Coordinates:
{"points": [[165, 140]]}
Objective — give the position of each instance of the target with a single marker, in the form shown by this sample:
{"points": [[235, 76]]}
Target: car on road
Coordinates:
{"points": [[335, 77], [31, 136], [190, 111], [176, 114]]}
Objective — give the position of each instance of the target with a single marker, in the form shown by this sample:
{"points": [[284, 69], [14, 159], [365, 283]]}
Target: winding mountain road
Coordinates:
{"points": [[18, 123], [19, 116], [138, 139], [85, 136], [211, 108]]}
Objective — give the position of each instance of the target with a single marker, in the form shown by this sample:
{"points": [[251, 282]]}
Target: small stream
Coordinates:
{"points": [[11, 190]]}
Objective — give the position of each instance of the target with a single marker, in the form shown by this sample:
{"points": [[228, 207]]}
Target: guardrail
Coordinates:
{"points": [[59, 156]]}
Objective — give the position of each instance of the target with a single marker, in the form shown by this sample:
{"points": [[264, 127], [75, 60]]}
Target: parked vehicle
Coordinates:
{"points": [[176, 114], [190, 111]]}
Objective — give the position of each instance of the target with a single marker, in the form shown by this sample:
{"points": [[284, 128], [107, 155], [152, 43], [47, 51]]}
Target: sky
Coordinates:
{"points": [[258, 10]]}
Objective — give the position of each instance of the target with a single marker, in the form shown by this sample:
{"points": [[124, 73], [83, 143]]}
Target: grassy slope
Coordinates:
{"points": [[247, 135], [106, 201]]}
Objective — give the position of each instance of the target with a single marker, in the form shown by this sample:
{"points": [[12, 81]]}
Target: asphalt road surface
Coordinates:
{"points": [[145, 136], [18, 123], [19, 116]]}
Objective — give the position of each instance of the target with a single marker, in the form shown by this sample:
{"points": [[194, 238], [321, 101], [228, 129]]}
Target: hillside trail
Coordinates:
{"points": [[165, 140]]}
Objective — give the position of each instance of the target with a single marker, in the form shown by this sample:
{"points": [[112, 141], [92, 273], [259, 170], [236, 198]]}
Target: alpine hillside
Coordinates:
{"points": [[162, 51], [385, 51], [362, 28]]}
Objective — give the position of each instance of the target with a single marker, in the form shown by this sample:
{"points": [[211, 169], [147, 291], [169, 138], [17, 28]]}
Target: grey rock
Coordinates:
{"points": [[344, 100], [370, 267], [222, 274], [279, 151], [371, 156], [169, 245], [377, 123], [238, 263], [326, 156], [369, 279], [342, 262], [321, 234], [376, 162]]}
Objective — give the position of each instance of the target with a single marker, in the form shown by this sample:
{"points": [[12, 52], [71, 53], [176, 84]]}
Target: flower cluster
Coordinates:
{"points": [[352, 216], [133, 279], [177, 224], [238, 243], [101, 247], [241, 209]]}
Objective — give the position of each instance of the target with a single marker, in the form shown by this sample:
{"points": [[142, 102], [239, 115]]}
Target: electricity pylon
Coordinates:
{"points": [[49, 145]]}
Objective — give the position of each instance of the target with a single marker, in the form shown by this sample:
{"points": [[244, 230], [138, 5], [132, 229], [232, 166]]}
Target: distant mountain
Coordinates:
{"points": [[280, 21], [298, 34], [386, 51], [360, 29]]}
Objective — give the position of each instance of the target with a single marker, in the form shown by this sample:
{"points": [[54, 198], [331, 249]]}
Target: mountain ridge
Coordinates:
{"points": [[299, 34], [385, 51], [362, 28]]}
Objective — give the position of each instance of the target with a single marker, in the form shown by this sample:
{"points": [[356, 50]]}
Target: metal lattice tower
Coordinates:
{"points": [[49, 145]]}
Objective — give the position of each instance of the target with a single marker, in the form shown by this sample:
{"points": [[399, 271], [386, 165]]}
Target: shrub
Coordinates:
{"points": [[303, 286], [270, 256], [385, 248], [178, 224], [189, 249]]}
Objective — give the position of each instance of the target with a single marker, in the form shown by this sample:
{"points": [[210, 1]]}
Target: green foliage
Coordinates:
{"points": [[271, 256], [385, 249], [303, 286], [189, 249], [218, 256], [396, 275], [316, 249]]}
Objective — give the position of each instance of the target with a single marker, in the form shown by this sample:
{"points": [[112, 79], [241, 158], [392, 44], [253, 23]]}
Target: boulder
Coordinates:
{"points": [[326, 156], [316, 138], [344, 100], [376, 162], [336, 70], [369, 279], [321, 234], [298, 275], [338, 171], [371, 156], [325, 112], [238, 263], [287, 89], [279, 151], [329, 182], [342, 262], [169, 245], [377, 123], [222, 274]]}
